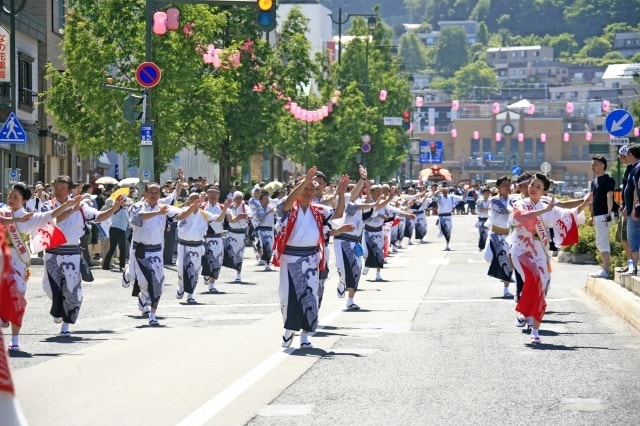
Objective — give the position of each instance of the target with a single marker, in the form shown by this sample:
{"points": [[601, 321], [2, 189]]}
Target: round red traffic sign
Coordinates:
{"points": [[366, 147], [148, 74]]}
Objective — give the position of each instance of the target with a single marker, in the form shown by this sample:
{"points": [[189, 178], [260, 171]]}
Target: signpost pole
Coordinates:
{"points": [[146, 149], [12, 52]]}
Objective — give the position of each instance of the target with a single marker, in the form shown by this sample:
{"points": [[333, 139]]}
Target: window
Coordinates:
{"points": [[585, 152], [58, 12], [25, 82], [574, 157], [539, 151], [475, 148], [514, 147]]}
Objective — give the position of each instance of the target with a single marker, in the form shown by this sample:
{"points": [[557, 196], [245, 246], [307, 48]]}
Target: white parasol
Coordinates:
{"points": [[107, 180], [132, 181]]}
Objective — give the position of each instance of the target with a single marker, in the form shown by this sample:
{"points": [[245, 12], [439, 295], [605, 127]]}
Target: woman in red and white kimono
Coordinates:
{"points": [[10, 411], [529, 239], [19, 224]]}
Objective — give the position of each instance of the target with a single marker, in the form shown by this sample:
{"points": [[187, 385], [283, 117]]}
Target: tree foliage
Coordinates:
{"points": [[195, 105]]}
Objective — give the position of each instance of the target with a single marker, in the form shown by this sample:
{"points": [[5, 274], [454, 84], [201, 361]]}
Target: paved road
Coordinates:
{"points": [[435, 344]]}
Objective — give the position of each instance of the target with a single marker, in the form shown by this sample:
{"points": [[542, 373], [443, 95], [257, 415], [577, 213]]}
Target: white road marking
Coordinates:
{"points": [[216, 404]]}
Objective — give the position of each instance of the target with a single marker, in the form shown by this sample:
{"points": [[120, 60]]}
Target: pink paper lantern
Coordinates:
{"points": [[296, 113], [531, 109], [495, 108], [588, 136], [173, 19], [455, 105], [498, 136], [159, 23], [419, 101], [476, 135], [209, 55], [432, 130], [520, 137], [570, 107], [566, 137], [606, 105], [303, 115], [383, 95], [293, 105], [454, 133], [636, 131], [543, 137]]}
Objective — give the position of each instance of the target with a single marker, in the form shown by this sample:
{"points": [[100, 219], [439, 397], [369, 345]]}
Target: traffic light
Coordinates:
{"points": [[131, 108], [266, 15], [406, 120]]}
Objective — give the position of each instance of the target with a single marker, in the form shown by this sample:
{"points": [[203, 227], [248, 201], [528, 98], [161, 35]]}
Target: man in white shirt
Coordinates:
{"points": [[148, 218], [62, 280]]}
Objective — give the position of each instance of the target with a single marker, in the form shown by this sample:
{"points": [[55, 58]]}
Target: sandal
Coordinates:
{"points": [[286, 341], [192, 301], [306, 345], [353, 307], [154, 323], [14, 348]]}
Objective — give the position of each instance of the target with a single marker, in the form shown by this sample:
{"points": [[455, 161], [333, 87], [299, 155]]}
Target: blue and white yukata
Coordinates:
{"points": [[62, 281], [213, 245], [191, 231], [146, 265], [234, 243]]}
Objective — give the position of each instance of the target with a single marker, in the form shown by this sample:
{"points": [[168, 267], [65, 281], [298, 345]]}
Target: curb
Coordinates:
{"points": [[620, 300]]}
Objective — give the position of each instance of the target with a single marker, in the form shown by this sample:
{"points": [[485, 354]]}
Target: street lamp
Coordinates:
{"points": [[371, 22]]}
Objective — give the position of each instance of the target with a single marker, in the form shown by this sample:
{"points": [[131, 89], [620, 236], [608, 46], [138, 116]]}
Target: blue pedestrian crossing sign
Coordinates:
{"points": [[619, 123], [12, 131]]}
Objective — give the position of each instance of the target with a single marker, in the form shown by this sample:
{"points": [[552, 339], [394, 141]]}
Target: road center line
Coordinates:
{"points": [[216, 404]]}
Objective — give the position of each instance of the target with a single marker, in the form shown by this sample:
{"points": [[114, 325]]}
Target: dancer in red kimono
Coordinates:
{"points": [[529, 239]]}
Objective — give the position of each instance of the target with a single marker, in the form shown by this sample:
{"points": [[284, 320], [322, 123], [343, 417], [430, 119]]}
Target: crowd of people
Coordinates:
{"points": [[289, 229]]}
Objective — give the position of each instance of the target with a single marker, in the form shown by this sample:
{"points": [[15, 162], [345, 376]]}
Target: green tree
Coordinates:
{"points": [[451, 51], [595, 47], [413, 52], [195, 105]]}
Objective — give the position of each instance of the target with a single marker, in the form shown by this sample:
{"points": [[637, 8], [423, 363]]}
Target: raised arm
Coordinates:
{"points": [[295, 193]]}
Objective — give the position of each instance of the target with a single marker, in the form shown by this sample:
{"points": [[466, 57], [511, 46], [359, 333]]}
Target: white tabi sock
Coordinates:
{"points": [[65, 327], [534, 332], [152, 316], [350, 301], [15, 340], [304, 337]]}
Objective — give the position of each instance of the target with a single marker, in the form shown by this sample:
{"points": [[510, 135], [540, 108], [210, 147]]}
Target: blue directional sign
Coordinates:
{"points": [[516, 170], [619, 123], [489, 156], [12, 131], [431, 152], [14, 176], [146, 176], [146, 135]]}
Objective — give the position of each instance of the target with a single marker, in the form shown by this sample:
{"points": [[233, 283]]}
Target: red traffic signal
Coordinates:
{"points": [[406, 120]]}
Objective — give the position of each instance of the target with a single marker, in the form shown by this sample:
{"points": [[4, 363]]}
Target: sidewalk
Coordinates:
{"points": [[620, 295]]}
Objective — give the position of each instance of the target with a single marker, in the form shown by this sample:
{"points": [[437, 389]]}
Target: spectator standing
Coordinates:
{"points": [[602, 188]]}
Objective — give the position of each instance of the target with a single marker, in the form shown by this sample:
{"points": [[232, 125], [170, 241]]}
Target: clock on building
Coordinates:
{"points": [[507, 129]]}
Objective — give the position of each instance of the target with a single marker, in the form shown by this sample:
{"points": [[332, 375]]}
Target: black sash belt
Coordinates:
{"points": [[373, 228], [213, 235], [264, 228], [238, 231], [190, 243], [150, 248], [64, 250], [444, 214], [418, 212], [347, 237], [300, 251]]}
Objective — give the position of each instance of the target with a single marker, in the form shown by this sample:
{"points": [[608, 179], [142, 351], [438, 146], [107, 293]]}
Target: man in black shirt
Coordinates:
{"points": [[602, 188], [630, 197], [621, 229]]}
